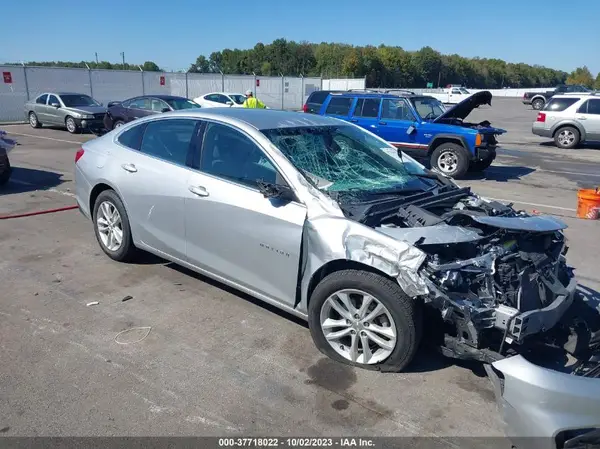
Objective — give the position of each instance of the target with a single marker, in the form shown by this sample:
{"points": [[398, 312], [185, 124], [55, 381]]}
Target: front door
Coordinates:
{"points": [[232, 230], [398, 124], [153, 181], [589, 117], [54, 115], [365, 113]]}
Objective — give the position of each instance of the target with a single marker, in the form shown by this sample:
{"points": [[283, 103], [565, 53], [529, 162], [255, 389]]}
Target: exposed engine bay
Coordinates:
{"points": [[498, 278]]}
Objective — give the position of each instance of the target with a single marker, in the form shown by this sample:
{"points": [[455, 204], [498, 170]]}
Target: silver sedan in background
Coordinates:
{"points": [[328, 222]]}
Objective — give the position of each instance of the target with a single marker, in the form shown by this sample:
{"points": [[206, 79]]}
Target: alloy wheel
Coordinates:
{"points": [[358, 326], [110, 226], [71, 127], [32, 120], [566, 137], [447, 162]]}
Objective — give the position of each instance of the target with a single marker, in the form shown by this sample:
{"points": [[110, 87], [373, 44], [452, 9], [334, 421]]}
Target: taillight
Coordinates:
{"points": [[305, 107], [541, 117], [78, 154]]}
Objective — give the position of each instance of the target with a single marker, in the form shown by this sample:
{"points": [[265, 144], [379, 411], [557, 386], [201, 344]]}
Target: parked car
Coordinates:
{"points": [[421, 125], [328, 222], [72, 110], [6, 145], [315, 100], [449, 95], [537, 100], [570, 119], [221, 100], [123, 112]]}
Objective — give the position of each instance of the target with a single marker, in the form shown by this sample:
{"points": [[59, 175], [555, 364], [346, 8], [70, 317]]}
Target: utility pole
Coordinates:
{"points": [[96, 53], [439, 78], [123, 56]]}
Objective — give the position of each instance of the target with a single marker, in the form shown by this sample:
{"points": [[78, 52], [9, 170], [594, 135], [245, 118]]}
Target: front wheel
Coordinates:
{"points": [[111, 225], [71, 125], [451, 159], [479, 166], [364, 319]]}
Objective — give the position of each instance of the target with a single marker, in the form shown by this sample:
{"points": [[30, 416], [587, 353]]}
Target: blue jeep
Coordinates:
{"points": [[420, 125]]}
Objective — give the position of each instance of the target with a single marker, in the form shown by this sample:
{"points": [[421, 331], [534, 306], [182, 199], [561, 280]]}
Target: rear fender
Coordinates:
{"points": [[572, 123]]}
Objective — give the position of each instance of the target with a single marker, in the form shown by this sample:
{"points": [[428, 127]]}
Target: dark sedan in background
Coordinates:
{"points": [[121, 112]]}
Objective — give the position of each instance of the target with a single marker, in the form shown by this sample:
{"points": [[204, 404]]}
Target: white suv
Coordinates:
{"points": [[570, 119]]}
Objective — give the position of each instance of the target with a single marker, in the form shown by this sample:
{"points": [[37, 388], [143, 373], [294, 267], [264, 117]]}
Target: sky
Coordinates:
{"points": [[173, 33]]}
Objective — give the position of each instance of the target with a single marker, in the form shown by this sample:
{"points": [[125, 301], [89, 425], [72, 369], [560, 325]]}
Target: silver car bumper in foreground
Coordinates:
{"points": [[543, 408]]}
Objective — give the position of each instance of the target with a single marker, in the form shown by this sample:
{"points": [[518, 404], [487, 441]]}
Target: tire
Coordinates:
{"points": [[567, 137], [451, 159], [405, 313], [71, 125], [479, 166], [126, 251], [33, 120], [5, 169], [118, 123], [538, 104]]}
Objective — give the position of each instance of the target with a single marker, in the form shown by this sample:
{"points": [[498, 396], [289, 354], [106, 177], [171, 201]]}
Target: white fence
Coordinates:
{"points": [[344, 84], [21, 84]]}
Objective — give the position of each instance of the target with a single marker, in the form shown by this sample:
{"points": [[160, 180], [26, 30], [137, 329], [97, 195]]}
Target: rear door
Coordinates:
{"points": [[139, 107], [153, 177], [366, 112], [232, 230], [339, 107], [395, 120], [40, 107], [589, 117]]}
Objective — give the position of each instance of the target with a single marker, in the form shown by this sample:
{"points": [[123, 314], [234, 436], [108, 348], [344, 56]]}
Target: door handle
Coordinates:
{"points": [[383, 123], [198, 190], [129, 167], [354, 120], [581, 118]]}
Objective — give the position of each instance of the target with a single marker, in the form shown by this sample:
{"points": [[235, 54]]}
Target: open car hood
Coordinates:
{"points": [[464, 108]]}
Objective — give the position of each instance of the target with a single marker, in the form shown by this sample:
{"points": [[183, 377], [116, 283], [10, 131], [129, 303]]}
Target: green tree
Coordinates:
{"points": [[150, 66], [581, 76], [597, 83]]}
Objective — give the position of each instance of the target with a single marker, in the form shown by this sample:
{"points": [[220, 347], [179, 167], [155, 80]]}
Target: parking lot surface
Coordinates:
{"points": [[209, 360]]}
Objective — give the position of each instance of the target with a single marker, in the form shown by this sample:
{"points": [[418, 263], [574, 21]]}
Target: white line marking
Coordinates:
{"points": [[543, 170], [530, 204], [47, 138], [51, 189]]}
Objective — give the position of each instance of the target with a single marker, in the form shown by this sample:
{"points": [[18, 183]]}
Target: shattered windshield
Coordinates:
{"points": [[345, 156]]}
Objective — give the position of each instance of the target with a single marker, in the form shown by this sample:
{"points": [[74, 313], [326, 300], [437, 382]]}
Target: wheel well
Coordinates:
{"points": [[442, 140], [338, 265], [567, 125], [67, 118], [97, 190], [538, 98]]}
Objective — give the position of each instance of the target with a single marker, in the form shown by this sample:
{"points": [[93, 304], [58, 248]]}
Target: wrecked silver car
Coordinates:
{"points": [[329, 222]]}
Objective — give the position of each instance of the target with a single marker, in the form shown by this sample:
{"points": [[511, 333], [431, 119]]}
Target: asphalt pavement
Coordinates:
{"points": [[207, 360]]}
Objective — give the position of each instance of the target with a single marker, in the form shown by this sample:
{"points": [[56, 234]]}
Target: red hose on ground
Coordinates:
{"points": [[39, 212]]}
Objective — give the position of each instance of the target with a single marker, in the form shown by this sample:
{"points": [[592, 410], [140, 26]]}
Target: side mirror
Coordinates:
{"points": [[229, 103], [55, 105], [276, 191], [165, 110]]}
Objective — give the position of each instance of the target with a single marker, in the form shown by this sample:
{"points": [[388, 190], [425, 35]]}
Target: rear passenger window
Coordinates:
{"points": [[132, 138], [169, 139], [560, 104], [42, 99], [370, 107], [339, 106], [593, 107]]}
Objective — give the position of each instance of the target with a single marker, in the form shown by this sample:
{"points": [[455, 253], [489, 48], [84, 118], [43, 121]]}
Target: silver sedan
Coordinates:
{"points": [[328, 222]]}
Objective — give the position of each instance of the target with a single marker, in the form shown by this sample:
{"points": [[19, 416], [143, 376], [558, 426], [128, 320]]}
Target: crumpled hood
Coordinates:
{"points": [[465, 107], [88, 109]]}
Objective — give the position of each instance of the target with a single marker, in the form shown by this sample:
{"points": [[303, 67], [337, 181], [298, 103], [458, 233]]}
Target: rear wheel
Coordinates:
{"points": [[451, 159], [33, 120], [5, 169], [111, 225], [118, 123], [537, 104], [567, 137], [364, 319]]}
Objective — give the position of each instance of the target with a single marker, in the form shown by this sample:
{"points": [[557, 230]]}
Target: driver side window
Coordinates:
{"points": [[396, 110], [229, 154]]}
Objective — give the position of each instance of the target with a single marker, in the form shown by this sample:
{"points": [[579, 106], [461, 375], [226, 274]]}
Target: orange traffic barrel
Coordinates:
{"points": [[588, 203]]}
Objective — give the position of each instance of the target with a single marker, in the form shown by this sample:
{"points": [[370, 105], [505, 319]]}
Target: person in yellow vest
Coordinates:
{"points": [[252, 102]]}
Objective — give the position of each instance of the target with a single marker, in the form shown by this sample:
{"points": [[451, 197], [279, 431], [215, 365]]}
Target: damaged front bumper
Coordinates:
{"points": [[546, 409]]}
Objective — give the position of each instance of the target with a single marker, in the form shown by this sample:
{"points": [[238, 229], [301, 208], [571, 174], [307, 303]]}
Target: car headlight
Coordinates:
{"points": [[87, 116]]}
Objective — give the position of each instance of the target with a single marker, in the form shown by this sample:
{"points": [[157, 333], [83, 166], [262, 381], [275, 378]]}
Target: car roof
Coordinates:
{"points": [[365, 95], [260, 118], [577, 94], [163, 97], [63, 93]]}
